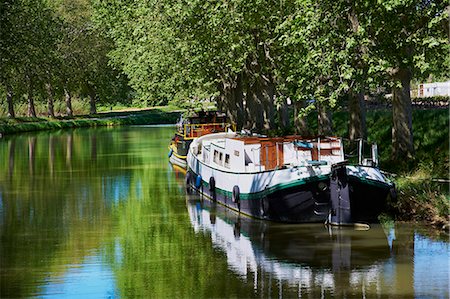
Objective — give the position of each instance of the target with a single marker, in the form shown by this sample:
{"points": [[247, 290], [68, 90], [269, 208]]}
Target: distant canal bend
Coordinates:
{"points": [[100, 213]]}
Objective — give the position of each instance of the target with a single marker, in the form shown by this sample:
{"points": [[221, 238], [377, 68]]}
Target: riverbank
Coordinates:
{"points": [[151, 116], [422, 184]]}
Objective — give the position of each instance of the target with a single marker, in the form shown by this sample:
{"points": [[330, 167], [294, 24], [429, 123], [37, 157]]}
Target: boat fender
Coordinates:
{"points": [[212, 183], [198, 181], [188, 181], [170, 153], [236, 194], [212, 188]]}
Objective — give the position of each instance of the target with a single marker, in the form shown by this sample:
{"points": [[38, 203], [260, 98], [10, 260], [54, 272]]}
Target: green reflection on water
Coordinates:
{"points": [[108, 196]]}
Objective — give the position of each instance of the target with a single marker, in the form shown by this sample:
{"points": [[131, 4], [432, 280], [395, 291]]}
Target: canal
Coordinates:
{"points": [[100, 213]]}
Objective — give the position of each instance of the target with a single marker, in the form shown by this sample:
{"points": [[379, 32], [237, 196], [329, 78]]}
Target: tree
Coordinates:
{"points": [[28, 37], [83, 51], [410, 40], [315, 67], [203, 49]]}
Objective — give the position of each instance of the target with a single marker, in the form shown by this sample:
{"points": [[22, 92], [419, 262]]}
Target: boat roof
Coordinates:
{"points": [[205, 114], [280, 139]]}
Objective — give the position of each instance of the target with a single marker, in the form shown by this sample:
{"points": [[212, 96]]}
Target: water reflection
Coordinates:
{"points": [[118, 226], [69, 147], [314, 259], [31, 153], [11, 155], [55, 206]]}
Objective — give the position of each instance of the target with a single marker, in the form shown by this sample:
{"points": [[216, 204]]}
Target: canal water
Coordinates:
{"points": [[100, 213]]}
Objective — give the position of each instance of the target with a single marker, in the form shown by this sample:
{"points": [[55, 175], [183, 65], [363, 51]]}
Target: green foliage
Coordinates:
{"points": [[409, 34], [54, 43], [421, 198]]}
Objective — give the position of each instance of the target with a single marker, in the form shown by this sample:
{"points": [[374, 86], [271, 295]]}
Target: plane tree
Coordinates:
{"points": [[29, 33], [345, 48], [409, 40], [195, 49]]}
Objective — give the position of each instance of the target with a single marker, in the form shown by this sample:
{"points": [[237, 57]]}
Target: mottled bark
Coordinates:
{"points": [[232, 101], [255, 109], [239, 103], [68, 96], [402, 133], [223, 104], [267, 98], [283, 113], [324, 120], [357, 115], [92, 100], [31, 109], [301, 126], [357, 107], [9, 100], [50, 101], [260, 105]]}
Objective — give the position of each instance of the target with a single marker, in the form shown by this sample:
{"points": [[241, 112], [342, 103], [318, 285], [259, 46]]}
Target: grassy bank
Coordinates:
{"points": [[138, 117], [422, 183]]}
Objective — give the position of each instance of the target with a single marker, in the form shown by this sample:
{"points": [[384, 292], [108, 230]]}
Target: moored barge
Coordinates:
{"points": [[288, 179]]}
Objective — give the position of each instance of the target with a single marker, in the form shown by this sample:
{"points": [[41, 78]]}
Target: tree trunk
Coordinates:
{"points": [[69, 110], [232, 101], [260, 106], [92, 100], [50, 105], [283, 113], [301, 126], [324, 120], [357, 115], [255, 109], [357, 107], [223, 104], [31, 108], [402, 133], [239, 103], [9, 99], [267, 98]]}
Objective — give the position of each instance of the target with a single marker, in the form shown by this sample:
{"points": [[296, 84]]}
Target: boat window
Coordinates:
{"points": [[205, 156], [227, 161], [220, 158], [216, 157]]}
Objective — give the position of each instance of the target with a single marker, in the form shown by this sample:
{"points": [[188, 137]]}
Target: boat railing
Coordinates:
{"points": [[361, 152], [191, 131]]}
